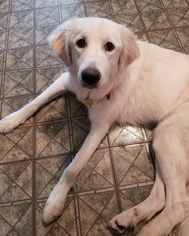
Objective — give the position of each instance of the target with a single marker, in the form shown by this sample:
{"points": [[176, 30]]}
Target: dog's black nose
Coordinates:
{"points": [[90, 76]]}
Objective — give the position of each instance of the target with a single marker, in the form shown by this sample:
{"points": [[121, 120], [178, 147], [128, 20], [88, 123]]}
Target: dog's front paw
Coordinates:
{"points": [[10, 122], [54, 205]]}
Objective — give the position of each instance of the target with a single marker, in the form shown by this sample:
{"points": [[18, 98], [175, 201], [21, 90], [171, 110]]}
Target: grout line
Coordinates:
{"points": [[5, 57], [112, 11], [77, 213], [173, 28], [141, 19], [71, 140], [34, 123], [59, 12], [116, 185], [85, 8]]}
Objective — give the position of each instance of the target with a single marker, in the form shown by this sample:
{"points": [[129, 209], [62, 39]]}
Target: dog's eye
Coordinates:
{"points": [[81, 43], [109, 47]]}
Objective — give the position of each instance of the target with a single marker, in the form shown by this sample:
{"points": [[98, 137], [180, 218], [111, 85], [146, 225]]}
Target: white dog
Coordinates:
{"points": [[121, 78]]}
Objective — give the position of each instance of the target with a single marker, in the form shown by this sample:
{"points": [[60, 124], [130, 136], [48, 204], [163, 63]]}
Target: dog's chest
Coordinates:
{"points": [[137, 113]]}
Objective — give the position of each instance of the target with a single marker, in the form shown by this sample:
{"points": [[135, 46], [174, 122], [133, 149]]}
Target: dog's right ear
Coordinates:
{"points": [[59, 41]]}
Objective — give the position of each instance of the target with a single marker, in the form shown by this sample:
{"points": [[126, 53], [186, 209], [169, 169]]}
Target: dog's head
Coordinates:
{"points": [[94, 49]]}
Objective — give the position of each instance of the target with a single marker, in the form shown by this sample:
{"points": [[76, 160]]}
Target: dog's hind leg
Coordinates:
{"points": [[13, 120], [170, 146], [143, 211]]}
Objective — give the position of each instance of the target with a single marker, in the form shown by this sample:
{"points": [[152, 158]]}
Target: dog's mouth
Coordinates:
{"points": [[84, 85]]}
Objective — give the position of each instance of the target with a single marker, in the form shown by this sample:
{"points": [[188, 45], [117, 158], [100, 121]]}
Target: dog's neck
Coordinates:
{"points": [[89, 102]]}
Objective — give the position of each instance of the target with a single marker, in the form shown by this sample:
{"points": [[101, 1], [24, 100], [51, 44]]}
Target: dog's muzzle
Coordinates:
{"points": [[90, 77]]}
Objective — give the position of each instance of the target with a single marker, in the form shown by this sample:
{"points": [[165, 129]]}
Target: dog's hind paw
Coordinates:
{"points": [[127, 220], [10, 122]]}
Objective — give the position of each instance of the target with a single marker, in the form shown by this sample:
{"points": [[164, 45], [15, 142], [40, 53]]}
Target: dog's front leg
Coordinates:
{"points": [[13, 120], [55, 203]]}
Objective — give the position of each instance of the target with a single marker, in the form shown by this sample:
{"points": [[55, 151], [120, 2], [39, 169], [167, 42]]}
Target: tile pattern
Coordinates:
{"points": [[32, 157]]}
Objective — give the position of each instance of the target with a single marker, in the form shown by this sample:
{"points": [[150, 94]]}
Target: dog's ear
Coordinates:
{"points": [[59, 41], [130, 50]]}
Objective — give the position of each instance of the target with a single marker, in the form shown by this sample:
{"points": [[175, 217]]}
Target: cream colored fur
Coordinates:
{"points": [[147, 85]]}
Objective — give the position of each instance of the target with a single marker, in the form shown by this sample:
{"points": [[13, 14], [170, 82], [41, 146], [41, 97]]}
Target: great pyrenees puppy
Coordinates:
{"points": [[120, 78]]}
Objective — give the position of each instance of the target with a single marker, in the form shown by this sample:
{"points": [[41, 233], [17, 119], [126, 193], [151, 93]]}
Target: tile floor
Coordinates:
{"points": [[32, 157]]}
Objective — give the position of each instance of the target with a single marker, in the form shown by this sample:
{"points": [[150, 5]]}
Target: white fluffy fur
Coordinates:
{"points": [[147, 84]]}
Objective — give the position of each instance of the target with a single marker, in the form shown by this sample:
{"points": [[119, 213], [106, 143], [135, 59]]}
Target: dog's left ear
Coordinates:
{"points": [[130, 49], [59, 41]]}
